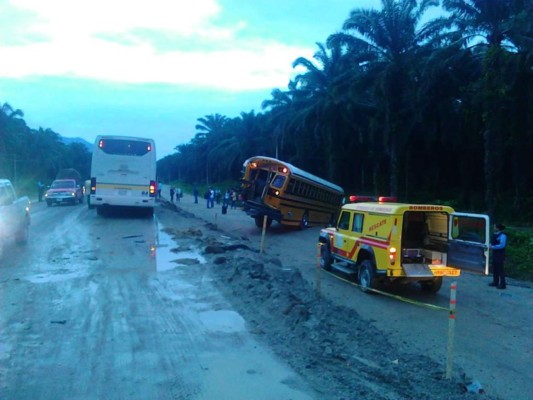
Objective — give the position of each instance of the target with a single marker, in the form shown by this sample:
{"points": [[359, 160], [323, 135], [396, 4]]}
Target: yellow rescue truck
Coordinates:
{"points": [[388, 242]]}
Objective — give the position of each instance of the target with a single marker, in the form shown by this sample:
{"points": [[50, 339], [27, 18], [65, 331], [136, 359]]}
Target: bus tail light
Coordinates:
{"points": [[93, 186], [153, 188], [392, 255]]}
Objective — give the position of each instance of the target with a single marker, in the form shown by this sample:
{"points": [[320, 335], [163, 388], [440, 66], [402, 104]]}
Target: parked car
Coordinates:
{"points": [[64, 191], [14, 214]]}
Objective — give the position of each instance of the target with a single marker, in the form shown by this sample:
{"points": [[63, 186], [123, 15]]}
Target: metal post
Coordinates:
{"points": [[263, 234], [318, 271], [451, 330]]}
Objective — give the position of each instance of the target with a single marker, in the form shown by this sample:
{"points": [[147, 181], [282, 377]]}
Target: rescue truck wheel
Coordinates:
{"points": [[304, 223], [367, 278], [432, 286], [325, 257]]}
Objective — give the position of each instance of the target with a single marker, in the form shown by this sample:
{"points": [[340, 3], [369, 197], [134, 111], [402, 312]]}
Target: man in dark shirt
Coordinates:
{"points": [[498, 244]]}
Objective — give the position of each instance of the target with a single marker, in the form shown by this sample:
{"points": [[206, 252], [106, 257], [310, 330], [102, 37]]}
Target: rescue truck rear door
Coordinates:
{"points": [[468, 242]]}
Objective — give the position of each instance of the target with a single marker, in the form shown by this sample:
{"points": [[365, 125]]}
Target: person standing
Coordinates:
{"points": [[195, 192], [171, 194], [498, 245], [233, 199], [179, 194], [40, 190], [225, 199], [211, 198]]}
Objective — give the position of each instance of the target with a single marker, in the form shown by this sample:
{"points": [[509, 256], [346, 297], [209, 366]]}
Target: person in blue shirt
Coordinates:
{"points": [[498, 244]]}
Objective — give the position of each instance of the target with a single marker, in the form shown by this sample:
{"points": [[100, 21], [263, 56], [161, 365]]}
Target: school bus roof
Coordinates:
{"points": [[396, 208], [294, 171]]}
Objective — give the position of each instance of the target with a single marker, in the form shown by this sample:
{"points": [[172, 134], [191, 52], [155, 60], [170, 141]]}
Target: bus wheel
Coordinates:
{"points": [[432, 286], [259, 222], [367, 279], [304, 223], [325, 257]]}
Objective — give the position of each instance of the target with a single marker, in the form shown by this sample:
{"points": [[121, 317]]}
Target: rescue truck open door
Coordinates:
{"points": [[469, 240]]}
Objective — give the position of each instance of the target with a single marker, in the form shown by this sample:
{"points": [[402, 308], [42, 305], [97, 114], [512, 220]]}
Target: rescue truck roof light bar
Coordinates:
{"points": [[381, 199]]}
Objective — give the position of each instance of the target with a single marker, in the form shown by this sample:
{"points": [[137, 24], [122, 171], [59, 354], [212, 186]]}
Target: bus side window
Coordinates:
{"points": [[290, 186]]}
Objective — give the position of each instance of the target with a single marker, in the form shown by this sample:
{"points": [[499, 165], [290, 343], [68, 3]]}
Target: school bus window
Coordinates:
{"points": [[303, 189], [278, 181], [344, 221], [358, 223], [290, 186]]}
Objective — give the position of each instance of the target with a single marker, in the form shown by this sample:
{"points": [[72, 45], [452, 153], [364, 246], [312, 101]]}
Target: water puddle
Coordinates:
{"points": [[225, 321], [168, 256], [59, 276]]}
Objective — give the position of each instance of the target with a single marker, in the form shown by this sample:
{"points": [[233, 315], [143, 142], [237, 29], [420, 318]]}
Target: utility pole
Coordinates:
{"points": [[15, 170]]}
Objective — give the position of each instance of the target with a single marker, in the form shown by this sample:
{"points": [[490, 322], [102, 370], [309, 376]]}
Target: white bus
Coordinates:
{"points": [[123, 173]]}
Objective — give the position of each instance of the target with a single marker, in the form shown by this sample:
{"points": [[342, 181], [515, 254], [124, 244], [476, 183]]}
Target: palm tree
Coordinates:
{"points": [[209, 129], [392, 42], [319, 98], [279, 114], [488, 25]]}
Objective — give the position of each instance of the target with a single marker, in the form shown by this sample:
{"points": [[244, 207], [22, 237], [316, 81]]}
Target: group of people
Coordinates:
{"points": [[175, 192], [229, 199]]}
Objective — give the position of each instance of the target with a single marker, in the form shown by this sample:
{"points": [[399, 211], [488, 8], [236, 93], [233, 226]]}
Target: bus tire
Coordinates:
{"points": [[304, 223], [325, 257], [259, 222], [367, 279], [432, 286]]}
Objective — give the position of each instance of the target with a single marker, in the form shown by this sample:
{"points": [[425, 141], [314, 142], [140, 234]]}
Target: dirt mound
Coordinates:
{"points": [[341, 355]]}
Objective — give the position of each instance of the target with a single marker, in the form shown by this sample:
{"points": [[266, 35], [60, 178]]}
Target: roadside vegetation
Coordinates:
{"points": [[393, 104]]}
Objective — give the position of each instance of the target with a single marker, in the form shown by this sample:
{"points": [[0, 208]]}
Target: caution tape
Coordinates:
{"points": [[394, 296]]}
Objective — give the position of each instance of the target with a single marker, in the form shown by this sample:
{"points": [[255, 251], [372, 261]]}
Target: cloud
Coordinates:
{"points": [[160, 41]]}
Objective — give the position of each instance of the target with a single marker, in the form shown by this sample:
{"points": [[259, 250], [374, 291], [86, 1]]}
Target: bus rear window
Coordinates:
{"points": [[124, 147]]}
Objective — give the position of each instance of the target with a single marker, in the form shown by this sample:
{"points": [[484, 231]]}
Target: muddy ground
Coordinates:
{"points": [[340, 354]]}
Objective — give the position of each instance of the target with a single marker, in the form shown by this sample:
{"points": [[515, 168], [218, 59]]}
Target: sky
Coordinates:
{"points": [[152, 68]]}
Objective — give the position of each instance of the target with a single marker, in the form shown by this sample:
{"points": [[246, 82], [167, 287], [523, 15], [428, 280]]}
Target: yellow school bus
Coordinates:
{"points": [[287, 194]]}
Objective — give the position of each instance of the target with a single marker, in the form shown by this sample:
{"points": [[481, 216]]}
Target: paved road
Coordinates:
{"points": [[97, 308]]}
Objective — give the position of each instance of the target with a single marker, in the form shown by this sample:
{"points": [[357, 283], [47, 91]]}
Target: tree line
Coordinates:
{"points": [[439, 111], [28, 156], [434, 111]]}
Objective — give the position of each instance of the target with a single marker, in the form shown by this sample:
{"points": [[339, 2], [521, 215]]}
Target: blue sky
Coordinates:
{"points": [[152, 68]]}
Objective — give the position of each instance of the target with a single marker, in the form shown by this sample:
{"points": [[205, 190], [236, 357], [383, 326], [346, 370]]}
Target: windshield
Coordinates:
{"points": [[63, 185]]}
